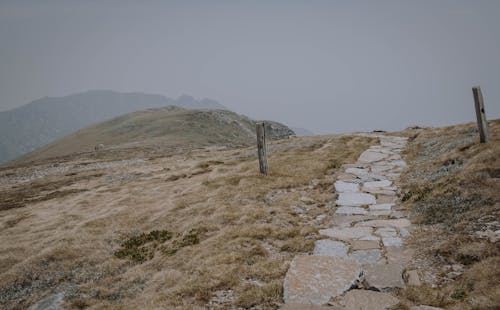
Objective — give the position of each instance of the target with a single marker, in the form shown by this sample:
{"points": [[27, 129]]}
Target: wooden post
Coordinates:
{"points": [[261, 147], [482, 123]]}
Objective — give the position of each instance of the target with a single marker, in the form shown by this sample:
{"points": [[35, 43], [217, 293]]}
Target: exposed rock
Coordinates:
{"points": [[377, 184], [386, 232], [384, 277], [425, 308], [355, 199], [327, 247], [412, 278], [346, 233], [396, 254], [367, 300], [357, 171], [381, 199], [366, 256], [315, 279], [351, 211], [381, 207], [370, 156], [396, 223], [341, 186], [364, 245], [392, 241]]}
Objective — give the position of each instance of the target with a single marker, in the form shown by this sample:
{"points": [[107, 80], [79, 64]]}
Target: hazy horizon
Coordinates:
{"points": [[327, 66]]}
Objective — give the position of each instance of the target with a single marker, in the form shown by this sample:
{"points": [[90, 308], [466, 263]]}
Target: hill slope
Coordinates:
{"points": [[45, 120], [159, 131]]}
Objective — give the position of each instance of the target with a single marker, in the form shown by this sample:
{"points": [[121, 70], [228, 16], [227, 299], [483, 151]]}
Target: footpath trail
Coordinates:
{"points": [[362, 257]]}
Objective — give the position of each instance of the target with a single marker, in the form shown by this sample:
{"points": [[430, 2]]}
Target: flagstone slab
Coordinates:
{"points": [[381, 207], [356, 199], [370, 156], [379, 213], [346, 233], [386, 232], [379, 191], [392, 241], [366, 256], [347, 220], [351, 211], [367, 300], [357, 171], [400, 255], [381, 199], [327, 247], [396, 223], [377, 184], [341, 186], [315, 279], [384, 277], [364, 245]]}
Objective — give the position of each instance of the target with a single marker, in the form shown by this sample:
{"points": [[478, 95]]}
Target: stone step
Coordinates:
{"points": [[315, 279]]}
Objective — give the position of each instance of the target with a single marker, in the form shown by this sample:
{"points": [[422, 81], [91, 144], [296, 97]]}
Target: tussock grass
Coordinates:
{"points": [[452, 187], [228, 229]]}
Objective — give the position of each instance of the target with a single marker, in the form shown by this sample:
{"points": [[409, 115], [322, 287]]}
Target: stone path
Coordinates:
{"points": [[362, 256]]}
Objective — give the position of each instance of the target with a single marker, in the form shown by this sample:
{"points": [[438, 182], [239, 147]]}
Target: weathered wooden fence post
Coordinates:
{"points": [[261, 147], [482, 123]]}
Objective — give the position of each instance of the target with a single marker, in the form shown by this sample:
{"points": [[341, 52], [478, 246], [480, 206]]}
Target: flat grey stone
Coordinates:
{"points": [[341, 186], [357, 171], [329, 247], [381, 199], [379, 191], [412, 278], [377, 184], [367, 300], [399, 254], [315, 279], [379, 213], [396, 223], [346, 233], [364, 245], [384, 277], [366, 256], [369, 238], [404, 232], [392, 241], [381, 207], [351, 211], [370, 156], [355, 199], [386, 232]]}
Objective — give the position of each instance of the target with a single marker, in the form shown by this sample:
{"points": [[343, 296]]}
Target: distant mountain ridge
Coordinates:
{"points": [[158, 131], [44, 120]]}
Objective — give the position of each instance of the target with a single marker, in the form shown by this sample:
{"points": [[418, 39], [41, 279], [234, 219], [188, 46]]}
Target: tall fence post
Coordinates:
{"points": [[482, 123], [261, 147]]}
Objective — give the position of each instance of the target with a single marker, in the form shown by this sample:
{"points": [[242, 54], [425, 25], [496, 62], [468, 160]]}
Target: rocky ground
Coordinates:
{"points": [[363, 257]]}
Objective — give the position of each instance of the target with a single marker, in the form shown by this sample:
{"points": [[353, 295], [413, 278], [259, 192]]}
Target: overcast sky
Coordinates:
{"points": [[328, 66]]}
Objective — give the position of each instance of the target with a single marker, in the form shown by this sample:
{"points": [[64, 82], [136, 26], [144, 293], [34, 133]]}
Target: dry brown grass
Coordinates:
{"points": [[232, 229], [453, 189]]}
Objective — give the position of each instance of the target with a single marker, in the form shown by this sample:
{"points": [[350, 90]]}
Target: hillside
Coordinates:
{"points": [[202, 229], [42, 121], [156, 132]]}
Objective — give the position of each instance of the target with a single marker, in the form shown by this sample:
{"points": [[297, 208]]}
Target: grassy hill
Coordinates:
{"points": [[158, 132], [44, 120]]}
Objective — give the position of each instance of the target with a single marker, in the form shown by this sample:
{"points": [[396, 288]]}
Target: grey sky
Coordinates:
{"points": [[329, 66]]}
